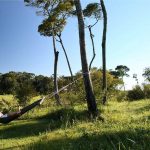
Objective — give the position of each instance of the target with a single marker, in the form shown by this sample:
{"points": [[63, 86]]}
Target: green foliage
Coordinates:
{"points": [[8, 83], [122, 70], [136, 93], [42, 84], [120, 96], [64, 7], [92, 10], [96, 76], [71, 98], [51, 26], [146, 74], [139, 92], [112, 83], [24, 93], [8, 103], [116, 74], [25, 85], [55, 13], [146, 90], [28, 85], [24, 90]]}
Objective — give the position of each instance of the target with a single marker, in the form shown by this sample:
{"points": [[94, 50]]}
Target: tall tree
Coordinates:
{"points": [[91, 102], [63, 10], [55, 13], [104, 87], [92, 11], [122, 72], [49, 28]]}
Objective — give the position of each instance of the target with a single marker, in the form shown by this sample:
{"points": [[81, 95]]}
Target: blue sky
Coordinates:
{"points": [[128, 39]]}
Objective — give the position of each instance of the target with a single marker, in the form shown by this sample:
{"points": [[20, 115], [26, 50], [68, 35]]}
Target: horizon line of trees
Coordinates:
{"points": [[24, 86], [44, 84]]}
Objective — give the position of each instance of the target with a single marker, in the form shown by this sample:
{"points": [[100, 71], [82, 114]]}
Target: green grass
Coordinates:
{"points": [[126, 127]]}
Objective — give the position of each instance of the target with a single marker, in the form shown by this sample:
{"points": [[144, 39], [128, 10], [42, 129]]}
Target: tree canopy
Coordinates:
{"points": [[146, 74]]}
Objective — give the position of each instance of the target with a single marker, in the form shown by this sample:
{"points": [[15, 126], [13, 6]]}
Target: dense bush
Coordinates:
{"points": [[139, 92], [146, 90], [97, 80], [136, 93], [24, 93]]}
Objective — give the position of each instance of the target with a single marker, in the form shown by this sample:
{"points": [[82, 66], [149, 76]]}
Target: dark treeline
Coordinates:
{"points": [[25, 85], [11, 82]]}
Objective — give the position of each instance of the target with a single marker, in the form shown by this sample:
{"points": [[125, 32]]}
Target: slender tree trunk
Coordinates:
{"points": [[104, 87], [91, 35], [56, 54], [123, 85], [61, 42], [92, 107]]}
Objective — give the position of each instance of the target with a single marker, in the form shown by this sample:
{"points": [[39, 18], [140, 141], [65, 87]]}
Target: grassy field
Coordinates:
{"points": [[126, 127]]}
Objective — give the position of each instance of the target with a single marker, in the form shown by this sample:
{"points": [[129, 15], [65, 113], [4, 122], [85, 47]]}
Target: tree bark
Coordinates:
{"points": [[56, 54], [91, 36], [61, 42], [104, 87], [91, 103]]}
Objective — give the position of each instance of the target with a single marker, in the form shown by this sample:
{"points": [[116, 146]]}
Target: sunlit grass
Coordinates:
{"points": [[126, 126]]}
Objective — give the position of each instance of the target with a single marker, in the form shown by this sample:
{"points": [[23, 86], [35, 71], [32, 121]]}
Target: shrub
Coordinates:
{"points": [[24, 93], [146, 90], [72, 98], [136, 93], [121, 95]]}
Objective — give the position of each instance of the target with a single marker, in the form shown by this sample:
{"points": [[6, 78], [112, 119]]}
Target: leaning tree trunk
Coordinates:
{"points": [[92, 107], [104, 87], [62, 45], [94, 54], [56, 53]]}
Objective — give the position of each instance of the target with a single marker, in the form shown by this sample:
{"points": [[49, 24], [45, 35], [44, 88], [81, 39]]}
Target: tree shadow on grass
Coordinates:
{"points": [[58, 119], [23, 129], [135, 140]]}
